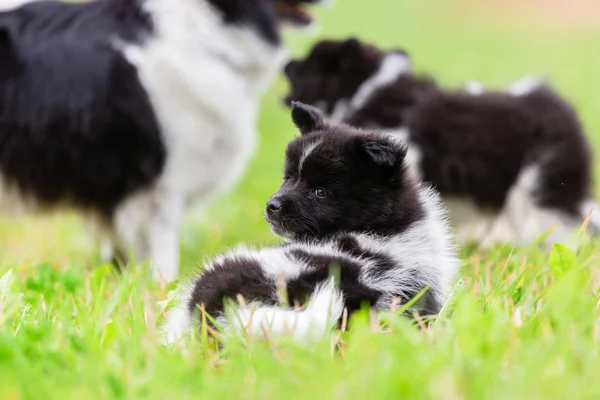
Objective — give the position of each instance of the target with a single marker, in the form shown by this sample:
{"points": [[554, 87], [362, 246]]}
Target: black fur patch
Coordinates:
{"points": [[226, 280], [75, 123], [306, 118], [262, 15], [355, 293], [257, 13]]}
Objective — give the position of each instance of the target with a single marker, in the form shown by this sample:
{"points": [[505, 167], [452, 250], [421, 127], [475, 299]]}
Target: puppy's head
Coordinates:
{"points": [[337, 179], [333, 71]]}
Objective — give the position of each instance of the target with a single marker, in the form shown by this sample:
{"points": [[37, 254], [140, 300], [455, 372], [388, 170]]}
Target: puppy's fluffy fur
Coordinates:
{"points": [[509, 165], [346, 202], [123, 109]]}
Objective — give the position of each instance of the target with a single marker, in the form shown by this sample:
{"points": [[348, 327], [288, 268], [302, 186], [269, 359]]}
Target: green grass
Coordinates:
{"points": [[523, 324]]}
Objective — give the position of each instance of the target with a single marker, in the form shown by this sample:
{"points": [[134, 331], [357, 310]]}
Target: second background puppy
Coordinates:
{"points": [[511, 165]]}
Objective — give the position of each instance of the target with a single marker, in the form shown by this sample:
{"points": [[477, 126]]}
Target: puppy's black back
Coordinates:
{"points": [[478, 145], [473, 145]]}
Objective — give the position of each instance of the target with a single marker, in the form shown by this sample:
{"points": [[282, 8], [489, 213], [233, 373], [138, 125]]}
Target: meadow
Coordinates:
{"points": [[523, 323]]}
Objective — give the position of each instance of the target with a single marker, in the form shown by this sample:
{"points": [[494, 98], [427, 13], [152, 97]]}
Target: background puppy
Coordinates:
{"points": [[347, 201], [123, 109], [509, 165]]}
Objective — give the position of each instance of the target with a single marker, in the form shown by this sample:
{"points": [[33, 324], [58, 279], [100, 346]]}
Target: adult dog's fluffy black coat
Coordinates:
{"points": [[123, 109]]}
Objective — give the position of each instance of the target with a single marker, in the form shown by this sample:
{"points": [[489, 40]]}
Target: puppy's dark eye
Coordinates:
{"points": [[320, 193]]}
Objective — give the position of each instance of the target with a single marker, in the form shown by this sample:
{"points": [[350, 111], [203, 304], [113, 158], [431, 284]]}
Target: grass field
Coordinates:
{"points": [[523, 324]]}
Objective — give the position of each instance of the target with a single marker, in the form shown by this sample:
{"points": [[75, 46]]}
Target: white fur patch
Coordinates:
{"points": [[525, 85], [530, 220], [425, 250], [393, 66], [13, 201], [520, 221], [179, 321], [204, 80], [322, 312], [474, 87], [177, 326], [340, 110], [590, 208], [471, 223], [275, 262], [7, 5]]}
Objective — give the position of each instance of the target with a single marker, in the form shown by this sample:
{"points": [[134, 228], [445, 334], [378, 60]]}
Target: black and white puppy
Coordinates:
{"points": [[346, 201], [510, 165], [123, 109]]}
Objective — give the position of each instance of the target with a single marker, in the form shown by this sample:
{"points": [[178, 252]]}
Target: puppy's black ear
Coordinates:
{"points": [[307, 118], [351, 48], [350, 53], [383, 151]]}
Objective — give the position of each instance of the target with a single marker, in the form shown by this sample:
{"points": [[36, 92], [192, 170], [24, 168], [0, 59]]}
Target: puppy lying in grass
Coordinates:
{"points": [[510, 165], [347, 207]]}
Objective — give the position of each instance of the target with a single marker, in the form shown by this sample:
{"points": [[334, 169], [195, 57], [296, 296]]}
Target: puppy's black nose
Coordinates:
{"points": [[273, 205]]}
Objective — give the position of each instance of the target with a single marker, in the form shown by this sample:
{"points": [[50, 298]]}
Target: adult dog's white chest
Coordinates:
{"points": [[204, 80]]}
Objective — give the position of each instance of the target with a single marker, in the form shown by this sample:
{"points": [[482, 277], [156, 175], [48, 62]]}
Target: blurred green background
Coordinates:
{"points": [[525, 324]]}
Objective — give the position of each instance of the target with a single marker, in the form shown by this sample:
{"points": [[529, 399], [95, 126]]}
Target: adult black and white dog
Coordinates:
{"points": [[129, 110], [510, 165], [346, 202]]}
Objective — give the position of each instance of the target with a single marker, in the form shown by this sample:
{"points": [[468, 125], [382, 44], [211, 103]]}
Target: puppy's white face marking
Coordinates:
{"points": [[310, 147], [392, 67]]}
